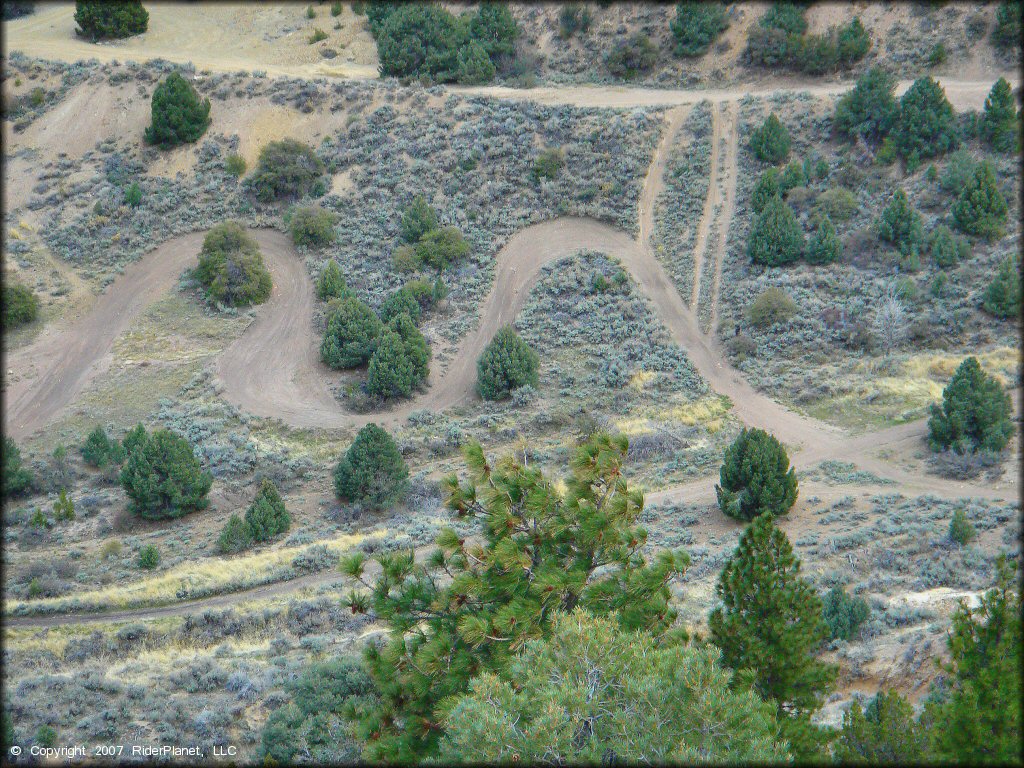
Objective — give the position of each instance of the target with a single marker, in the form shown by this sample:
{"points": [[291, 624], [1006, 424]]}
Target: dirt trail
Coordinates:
{"points": [[728, 205], [700, 243]]}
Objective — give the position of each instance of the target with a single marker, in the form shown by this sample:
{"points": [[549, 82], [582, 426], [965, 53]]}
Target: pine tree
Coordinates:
{"points": [[392, 373], [331, 283], [234, 537], [869, 109], [770, 621], [644, 701], [999, 122], [470, 607], [927, 123], [978, 721], [267, 516], [886, 733], [372, 471], [981, 209], [771, 141], [775, 238], [901, 225], [97, 450], [1002, 297], [507, 364], [179, 115], [947, 248], [475, 66], [417, 351], [353, 330], [756, 477], [825, 246], [163, 478], [766, 188], [975, 413]]}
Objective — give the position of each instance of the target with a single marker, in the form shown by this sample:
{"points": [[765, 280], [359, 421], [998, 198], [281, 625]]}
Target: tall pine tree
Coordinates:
{"points": [[770, 622], [999, 122]]}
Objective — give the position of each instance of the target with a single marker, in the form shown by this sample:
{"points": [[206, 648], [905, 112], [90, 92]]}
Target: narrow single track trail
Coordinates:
{"points": [[273, 368]]}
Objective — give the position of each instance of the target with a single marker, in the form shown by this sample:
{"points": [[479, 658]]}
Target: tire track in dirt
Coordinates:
{"points": [[728, 206], [700, 243]]}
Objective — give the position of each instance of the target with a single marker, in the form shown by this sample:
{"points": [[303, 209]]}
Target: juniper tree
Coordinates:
{"points": [[978, 720], [267, 516], [506, 364], [372, 471], [696, 26], [331, 283], [163, 478], [391, 373], [771, 142], [1000, 121], [775, 238], [766, 188], [825, 246], [1002, 297], [901, 225], [927, 123], [103, 20], [592, 693], [770, 622], [353, 330], [869, 109], [472, 605], [179, 116], [981, 209], [756, 477], [16, 479], [974, 415]]}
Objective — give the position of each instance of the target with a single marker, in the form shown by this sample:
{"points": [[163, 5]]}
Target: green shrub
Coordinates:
{"points": [[398, 303], [959, 170], [231, 268], [267, 516], [64, 507], [353, 330], [310, 726], [317, 36], [548, 163], [1000, 123], [418, 219], [401, 361], [179, 116], [235, 536], [946, 248], [901, 225], [960, 529], [419, 40], [507, 364], [981, 209], [632, 57], [843, 614], [494, 27], [938, 55], [417, 351], [766, 188], [771, 142], [133, 195], [755, 477], [886, 732], [1002, 297], [21, 305], [16, 478], [235, 165], [107, 20], [99, 450], [792, 177], [46, 736], [135, 438], [1006, 34], [440, 248], [825, 246], [313, 227], [163, 478], [405, 259], [696, 26], [474, 65], [149, 557], [785, 16], [372, 471], [974, 415], [775, 238], [927, 123], [287, 170], [838, 203], [331, 283], [772, 306], [335, 9], [573, 18]]}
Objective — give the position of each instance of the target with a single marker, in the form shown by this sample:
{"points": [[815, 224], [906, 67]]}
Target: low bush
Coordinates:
{"points": [[110, 20], [548, 163], [149, 557], [837, 203], [235, 165], [507, 364], [16, 478], [441, 248], [960, 529], [21, 305], [179, 116], [573, 18], [231, 268], [287, 170], [372, 471], [64, 507], [844, 614], [632, 57], [331, 283], [772, 306], [312, 226]]}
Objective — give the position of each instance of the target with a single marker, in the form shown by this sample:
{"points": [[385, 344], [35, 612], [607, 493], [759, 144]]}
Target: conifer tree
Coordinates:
{"points": [[771, 141], [901, 225], [869, 109], [1002, 297], [766, 188], [352, 333], [470, 607], [417, 351], [770, 622], [776, 238], [163, 478], [419, 219], [1000, 121], [756, 477], [697, 25], [981, 208], [372, 471], [179, 115], [886, 733], [267, 516], [331, 283], [16, 478], [506, 364], [391, 372], [825, 246], [975, 413], [927, 123], [475, 66], [978, 721]]}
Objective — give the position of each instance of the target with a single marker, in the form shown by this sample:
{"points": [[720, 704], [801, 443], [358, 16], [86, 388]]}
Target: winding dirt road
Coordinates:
{"points": [[273, 369]]}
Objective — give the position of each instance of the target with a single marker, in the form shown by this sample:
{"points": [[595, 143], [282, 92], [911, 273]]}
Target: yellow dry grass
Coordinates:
{"points": [[708, 411], [212, 576], [1000, 362]]}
